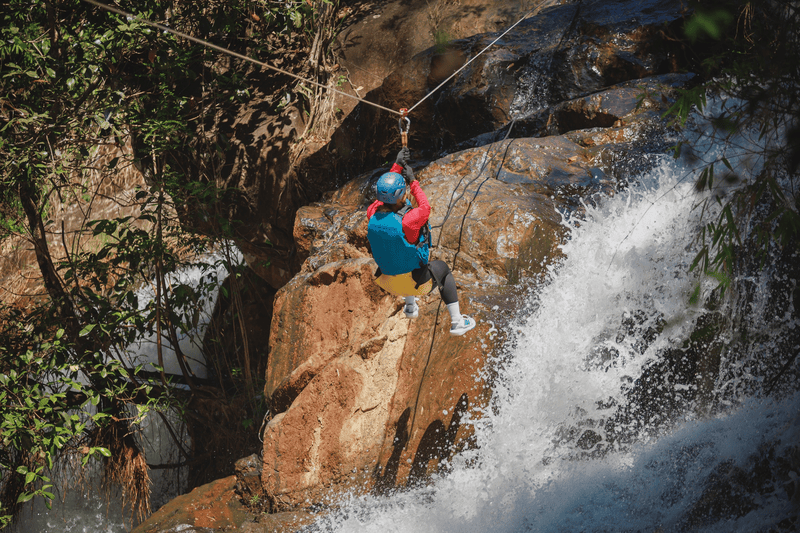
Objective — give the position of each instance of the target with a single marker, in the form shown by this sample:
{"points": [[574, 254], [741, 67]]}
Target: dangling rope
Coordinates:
{"points": [[460, 235]]}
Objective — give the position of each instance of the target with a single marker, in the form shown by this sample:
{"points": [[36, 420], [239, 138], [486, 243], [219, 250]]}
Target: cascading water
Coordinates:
{"points": [[82, 504], [545, 461]]}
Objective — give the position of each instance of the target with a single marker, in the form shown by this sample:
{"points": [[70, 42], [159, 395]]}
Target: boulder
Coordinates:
{"points": [[566, 52], [216, 507], [364, 399], [210, 507]]}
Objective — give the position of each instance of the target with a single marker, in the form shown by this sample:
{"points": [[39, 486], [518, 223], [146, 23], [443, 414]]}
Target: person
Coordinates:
{"points": [[399, 236]]}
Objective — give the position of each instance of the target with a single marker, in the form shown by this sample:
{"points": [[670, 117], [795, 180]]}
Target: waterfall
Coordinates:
{"points": [[82, 505], [544, 461]]}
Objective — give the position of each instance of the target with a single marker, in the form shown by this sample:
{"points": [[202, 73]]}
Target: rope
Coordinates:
{"points": [[460, 235], [471, 60], [300, 78], [232, 53]]}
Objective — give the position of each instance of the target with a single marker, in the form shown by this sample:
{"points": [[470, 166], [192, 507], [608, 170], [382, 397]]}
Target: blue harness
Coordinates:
{"points": [[390, 249]]}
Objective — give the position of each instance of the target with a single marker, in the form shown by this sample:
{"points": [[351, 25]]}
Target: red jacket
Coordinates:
{"points": [[416, 218]]}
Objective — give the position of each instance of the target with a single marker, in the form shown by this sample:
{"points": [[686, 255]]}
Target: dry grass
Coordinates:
{"points": [[126, 468]]}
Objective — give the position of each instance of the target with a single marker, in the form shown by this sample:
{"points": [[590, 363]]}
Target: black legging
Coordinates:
{"points": [[444, 279]]}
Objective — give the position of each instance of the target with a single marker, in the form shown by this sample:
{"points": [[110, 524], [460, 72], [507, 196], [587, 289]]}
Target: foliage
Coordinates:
{"points": [[749, 55], [78, 88]]}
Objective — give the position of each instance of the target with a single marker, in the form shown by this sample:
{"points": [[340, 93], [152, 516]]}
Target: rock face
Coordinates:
{"points": [[563, 109], [567, 52], [347, 385], [363, 397], [373, 46]]}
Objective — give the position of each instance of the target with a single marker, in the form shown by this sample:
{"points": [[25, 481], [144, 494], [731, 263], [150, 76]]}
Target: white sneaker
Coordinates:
{"points": [[459, 328], [411, 310]]}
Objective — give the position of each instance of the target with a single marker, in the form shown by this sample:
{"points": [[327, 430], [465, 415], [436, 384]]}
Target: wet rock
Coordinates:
{"points": [[287, 522], [627, 104], [248, 478], [210, 507]]}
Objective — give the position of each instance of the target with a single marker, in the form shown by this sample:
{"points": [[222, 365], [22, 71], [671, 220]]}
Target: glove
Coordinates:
{"points": [[408, 174], [402, 157]]}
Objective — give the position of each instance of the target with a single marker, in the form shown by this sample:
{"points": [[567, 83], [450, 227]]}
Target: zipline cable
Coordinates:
{"points": [[471, 60], [232, 53], [243, 57]]}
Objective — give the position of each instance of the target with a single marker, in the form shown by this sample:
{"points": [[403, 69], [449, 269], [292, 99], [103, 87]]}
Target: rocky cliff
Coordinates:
{"points": [[562, 110]]}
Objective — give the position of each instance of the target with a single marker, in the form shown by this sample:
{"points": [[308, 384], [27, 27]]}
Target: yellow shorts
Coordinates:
{"points": [[403, 285]]}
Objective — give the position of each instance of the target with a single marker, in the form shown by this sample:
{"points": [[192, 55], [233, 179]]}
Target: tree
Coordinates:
{"points": [[84, 92], [751, 64]]}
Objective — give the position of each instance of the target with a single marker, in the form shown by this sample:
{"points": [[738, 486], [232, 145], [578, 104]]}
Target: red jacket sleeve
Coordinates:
{"points": [[372, 208], [416, 219]]}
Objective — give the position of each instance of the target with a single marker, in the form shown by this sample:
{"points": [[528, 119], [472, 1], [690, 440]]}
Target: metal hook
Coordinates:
{"points": [[405, 124]]}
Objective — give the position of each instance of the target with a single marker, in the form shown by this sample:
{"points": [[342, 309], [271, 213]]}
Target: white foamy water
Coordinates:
{"points": [[611, 307], [626, 263]]}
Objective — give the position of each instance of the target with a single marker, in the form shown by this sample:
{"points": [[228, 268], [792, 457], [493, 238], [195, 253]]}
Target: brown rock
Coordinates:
{"points": [[332, 432], [209, 507], [317, 317], [440, 384]]}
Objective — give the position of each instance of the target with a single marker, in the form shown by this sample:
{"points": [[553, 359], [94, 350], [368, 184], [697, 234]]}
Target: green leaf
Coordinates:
{"points": [[24, 497], [708, 23]]}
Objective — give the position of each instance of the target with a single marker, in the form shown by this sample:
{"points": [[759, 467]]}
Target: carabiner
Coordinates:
{"points": [[404, 123]]}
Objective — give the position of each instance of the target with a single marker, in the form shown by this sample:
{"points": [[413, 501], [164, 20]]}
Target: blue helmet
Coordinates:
{"points": [[390, 187]]}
